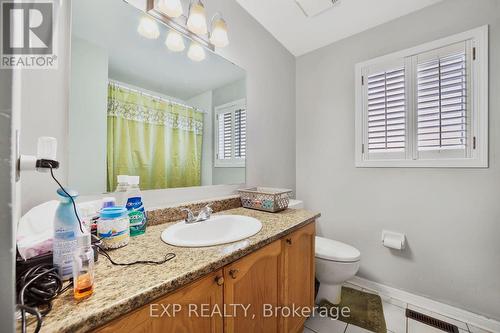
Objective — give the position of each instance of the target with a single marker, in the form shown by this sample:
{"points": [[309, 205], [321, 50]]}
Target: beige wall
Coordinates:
{"points": [[451, 216]]}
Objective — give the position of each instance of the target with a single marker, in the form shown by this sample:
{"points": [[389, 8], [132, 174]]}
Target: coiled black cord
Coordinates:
{"points": [[38, 286], [169, 256]]}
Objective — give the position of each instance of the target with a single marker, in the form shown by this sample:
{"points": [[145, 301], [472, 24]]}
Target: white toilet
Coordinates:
{"points": [[336, 263]]}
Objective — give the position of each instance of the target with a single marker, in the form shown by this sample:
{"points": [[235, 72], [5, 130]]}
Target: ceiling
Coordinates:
{"points": [[300, 34], [144, 62]]}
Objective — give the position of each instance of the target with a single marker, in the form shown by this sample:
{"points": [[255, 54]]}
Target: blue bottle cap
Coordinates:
{"points": [[108, 202], [112, 212]]}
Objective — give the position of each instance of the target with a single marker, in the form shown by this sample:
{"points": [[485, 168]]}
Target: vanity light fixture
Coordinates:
{"points": [[218, 32], [148, 28], [174, 41], [193, 26], [197, 20], [171, 8], [196, 52]]}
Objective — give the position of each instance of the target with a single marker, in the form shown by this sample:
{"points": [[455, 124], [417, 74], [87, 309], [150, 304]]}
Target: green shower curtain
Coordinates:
{"points": [[149, 137]]}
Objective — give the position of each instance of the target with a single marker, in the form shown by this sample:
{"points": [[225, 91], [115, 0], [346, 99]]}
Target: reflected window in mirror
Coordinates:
{"points": [[230, 134]]}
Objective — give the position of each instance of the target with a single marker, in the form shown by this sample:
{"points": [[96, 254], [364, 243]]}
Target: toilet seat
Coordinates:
{"points": [[332, 250]]}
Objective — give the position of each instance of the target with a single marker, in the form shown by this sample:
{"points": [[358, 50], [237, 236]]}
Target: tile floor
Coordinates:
{"points": [[395, 318]]}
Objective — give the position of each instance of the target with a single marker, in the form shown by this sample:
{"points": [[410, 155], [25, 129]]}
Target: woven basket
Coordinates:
{"points": [[264, 198]]}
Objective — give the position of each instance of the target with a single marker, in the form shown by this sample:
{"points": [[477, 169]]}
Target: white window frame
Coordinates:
{"points": [[232, 162], [477, 43]]}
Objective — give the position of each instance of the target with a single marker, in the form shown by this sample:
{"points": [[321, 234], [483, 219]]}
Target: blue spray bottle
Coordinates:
{"points": [[66, 231]]}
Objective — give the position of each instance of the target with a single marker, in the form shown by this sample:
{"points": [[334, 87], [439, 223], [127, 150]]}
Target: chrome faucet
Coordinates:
{"points": [[190, 216], [203, 215]]}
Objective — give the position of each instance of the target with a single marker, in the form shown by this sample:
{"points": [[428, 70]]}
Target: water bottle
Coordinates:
{"points": [[121, 190]]}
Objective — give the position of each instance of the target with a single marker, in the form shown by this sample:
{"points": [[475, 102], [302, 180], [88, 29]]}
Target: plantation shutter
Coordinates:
{"points": [[386, 110], [442, 91], [225, 136], [240, 128], [231, 136]]}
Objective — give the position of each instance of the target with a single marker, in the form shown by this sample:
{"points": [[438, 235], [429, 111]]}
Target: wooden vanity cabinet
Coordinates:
{"points": [[298, 271], [279, 274], [253, 281]]}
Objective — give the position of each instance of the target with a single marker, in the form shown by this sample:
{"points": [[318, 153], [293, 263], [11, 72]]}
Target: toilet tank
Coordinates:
{"points": [[295, 204]]}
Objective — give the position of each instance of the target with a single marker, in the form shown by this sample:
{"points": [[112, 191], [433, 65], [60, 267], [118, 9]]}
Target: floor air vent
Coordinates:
{"points": [[439, 324]]}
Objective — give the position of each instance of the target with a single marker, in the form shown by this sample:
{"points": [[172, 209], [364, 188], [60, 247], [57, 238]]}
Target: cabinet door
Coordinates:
{"points": [[298, 276], [135, 322], [187, 310], [253, 280]]}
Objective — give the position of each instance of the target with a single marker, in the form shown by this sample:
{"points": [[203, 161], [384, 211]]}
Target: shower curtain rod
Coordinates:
{"points": [[151, 94]]}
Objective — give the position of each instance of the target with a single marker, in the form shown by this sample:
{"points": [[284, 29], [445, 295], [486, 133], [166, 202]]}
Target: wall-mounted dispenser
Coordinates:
{"points": [[393, 240], [44, 160]]}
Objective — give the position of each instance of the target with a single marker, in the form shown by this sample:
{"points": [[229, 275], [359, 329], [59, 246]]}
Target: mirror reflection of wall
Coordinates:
{"points": [[138, 108]]}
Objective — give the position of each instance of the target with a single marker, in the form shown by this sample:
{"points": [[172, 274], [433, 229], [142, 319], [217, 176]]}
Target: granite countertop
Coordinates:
{"points": [[121, 289]]}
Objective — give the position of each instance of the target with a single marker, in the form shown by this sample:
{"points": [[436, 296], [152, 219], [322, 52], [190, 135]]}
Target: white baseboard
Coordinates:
{"points": [[429, 304]]}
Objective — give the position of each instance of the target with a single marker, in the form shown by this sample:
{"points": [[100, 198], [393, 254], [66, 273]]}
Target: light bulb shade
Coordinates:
{"points": [[218, 35], [148, 28], [196, 52], [197, 20], [174, 41], [171, 8]]}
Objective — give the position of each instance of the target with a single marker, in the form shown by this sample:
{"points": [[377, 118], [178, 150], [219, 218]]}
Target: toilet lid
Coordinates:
{"points": [[330, 249]]}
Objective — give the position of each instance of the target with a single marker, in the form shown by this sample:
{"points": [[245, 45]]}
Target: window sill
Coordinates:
{"points": [[443, 163], [230, 165]]}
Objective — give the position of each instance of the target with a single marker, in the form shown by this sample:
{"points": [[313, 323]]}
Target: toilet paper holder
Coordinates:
{"points": [[393, 240]]}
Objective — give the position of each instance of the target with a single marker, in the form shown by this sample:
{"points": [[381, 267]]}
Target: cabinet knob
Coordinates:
{"points": [[219, 280], [233, 273], [289, 241]]}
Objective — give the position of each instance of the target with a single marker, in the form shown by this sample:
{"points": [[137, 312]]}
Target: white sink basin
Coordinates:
{"points": [[219, 229]]}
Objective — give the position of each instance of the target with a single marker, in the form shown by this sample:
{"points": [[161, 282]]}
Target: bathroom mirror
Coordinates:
{"points": [[174, 118]]}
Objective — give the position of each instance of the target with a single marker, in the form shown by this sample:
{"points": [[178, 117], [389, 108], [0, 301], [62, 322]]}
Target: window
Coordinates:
{"points": [[230, 134], [426, 106]]}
